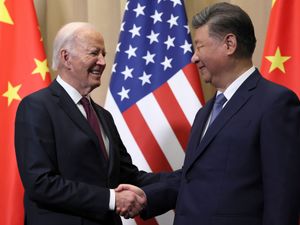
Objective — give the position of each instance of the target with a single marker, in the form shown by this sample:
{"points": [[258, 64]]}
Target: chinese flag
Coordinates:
{"points": [[281, 58], [23, 70]]}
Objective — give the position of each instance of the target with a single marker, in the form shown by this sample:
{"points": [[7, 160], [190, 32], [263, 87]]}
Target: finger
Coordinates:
{"points": [[121, 187], [141, 201], [133, 188]]}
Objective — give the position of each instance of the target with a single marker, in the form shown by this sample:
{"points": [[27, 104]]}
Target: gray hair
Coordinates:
{"points": [[223, 18], [65, 39]]}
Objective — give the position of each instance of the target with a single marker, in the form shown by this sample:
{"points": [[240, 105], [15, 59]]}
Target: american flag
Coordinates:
{"points": [[154, 91]]}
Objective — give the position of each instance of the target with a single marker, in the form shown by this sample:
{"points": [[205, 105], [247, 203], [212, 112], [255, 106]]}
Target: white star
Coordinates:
{"points": [[167, 63], [135, 31], [145, 78], [176, 2], [126, 7], [122, 26], [156, 17], [173, 21], [113, 70], [118, 47], [149, 58], [187, 28], [127, 73], [153, 37], [170, 42], [139, 10], [186, 47], [131, 51], [124, 93]]}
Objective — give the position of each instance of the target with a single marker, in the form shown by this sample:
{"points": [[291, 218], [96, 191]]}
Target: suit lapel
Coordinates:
{"points": [[238, 100], [107, 132], [196, 132], [66, 103]]}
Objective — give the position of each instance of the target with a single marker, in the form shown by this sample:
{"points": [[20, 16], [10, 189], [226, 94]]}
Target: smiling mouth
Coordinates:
{"points": [[201, 67], [96, 73]]}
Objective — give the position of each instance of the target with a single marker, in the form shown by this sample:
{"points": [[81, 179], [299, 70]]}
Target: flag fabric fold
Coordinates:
{"points": [[23, 70], [280, 62], [155, 91]]}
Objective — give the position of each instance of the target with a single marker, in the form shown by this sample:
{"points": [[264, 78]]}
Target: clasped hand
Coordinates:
{"points": [[130, 200]]}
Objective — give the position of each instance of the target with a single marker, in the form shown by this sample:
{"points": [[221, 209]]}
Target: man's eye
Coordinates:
{"points": [[94, 53], [199, 47]]}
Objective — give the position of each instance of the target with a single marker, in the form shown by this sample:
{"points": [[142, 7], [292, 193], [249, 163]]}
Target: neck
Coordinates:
{"points": [[233, 72]]}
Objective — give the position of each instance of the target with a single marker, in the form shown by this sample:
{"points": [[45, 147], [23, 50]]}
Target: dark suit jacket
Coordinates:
{"points": [[64, 173], [245, 170]]}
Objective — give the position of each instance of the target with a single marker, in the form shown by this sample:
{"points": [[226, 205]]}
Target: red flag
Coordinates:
{"points": [[281, 56], [23, 70], [155, 90]]}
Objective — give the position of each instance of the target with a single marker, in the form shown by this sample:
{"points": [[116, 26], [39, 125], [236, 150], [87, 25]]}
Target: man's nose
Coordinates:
{"points": [[195, 58], [101, 60]]}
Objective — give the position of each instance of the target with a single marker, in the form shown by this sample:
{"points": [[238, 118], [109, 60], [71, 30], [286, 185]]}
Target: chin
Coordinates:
{"points": [[206, 78]]}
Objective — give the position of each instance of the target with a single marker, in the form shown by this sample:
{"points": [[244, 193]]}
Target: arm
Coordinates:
{"points": [[280, 158]]}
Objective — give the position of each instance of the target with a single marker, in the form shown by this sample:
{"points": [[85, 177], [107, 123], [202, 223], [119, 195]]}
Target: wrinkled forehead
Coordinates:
{"points": [[89, 37]]}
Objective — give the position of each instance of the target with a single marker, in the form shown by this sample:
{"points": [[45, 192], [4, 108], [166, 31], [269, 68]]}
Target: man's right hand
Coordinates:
{"points": [[130, 200]]}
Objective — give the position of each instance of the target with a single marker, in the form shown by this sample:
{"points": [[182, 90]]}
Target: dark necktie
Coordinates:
{"points": [[218, 105], [94, 123]]}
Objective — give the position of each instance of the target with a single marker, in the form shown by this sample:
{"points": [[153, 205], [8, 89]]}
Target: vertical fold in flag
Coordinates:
{"points": [[154, 91], [281, 55], [23, 70]]}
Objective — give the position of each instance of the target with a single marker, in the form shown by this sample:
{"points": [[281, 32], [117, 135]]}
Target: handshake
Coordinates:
{"points": [[130, 200]]}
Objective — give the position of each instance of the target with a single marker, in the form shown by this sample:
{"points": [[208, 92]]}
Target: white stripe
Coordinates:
{"points": [[185, 95], [161, 130], [126, 136], [166, 219], [128, 221]]}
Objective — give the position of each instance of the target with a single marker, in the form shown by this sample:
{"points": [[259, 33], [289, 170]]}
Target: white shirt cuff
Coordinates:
{"points": [[112, 199]]}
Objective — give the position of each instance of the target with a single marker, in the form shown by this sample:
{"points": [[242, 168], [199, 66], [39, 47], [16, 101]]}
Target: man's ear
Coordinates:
{"points": [[65, 58], [230, 43]]}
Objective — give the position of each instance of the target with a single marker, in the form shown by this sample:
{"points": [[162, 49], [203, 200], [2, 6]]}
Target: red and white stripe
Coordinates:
{"points": [[155, 130]]}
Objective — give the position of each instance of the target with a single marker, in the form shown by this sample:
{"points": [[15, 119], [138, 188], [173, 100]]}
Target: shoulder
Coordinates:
{"points": [[274, 91], [37, 97]]}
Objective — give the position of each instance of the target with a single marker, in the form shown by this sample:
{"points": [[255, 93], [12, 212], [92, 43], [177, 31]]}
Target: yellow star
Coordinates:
{"points": [[12, 93], [277, 61], [273, 2], [4, 15], [41, 67]]}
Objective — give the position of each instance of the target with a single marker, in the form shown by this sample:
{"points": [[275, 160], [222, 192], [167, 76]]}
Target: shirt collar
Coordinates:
{"points": [[72, 92], [232, 88]]}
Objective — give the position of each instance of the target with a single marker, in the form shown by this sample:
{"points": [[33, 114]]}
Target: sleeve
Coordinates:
{"points": [[280, 156], [162, 196], [37, 162]]}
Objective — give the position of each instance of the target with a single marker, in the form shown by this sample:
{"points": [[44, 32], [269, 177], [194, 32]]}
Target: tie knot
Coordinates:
{"points": [[220, 99], [84, 101]]}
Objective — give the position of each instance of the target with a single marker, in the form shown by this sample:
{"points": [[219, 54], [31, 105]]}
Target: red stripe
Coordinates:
{"points": [[173, 113], [139, 221], [145, 140], [193, 77]]}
